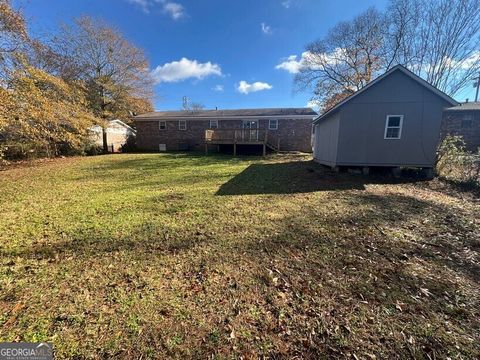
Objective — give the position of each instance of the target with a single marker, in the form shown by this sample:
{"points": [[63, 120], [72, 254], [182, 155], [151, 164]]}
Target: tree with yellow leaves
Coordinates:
{"points": [[41, 109], [13, 36]]}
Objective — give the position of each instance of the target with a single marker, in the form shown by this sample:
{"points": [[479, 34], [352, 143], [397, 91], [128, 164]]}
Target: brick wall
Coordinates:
{"points": [[294, 134], [456, 123]]}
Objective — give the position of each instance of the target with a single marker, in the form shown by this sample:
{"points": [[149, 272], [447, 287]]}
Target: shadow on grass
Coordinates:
{"points": [[149, 237], [389, 211], [299, 177], [362, 269], [472, 187]]}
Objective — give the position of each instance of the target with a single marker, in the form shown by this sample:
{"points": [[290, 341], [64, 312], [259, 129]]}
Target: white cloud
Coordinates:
{"points": [[218, 88], [246, 88], [143, 4], [287, 3], [314, 104], [266, 29], [293, 64], [175, 10], [467, 63], [185, 69]]}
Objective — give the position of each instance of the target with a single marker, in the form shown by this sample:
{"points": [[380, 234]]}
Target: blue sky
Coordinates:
{"points": [[223, 53]]}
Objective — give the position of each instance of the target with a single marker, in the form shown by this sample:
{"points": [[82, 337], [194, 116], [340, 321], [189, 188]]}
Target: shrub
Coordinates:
{"points": [[23, 150], [456, 163], [91, 149], [130, 145]]}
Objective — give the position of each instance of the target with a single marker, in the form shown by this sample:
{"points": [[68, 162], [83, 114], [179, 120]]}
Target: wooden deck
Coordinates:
{"points": [[242, 137]]}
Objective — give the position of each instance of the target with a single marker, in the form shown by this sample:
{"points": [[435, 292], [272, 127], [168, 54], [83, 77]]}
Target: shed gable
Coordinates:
{"points": [[396, 88]]}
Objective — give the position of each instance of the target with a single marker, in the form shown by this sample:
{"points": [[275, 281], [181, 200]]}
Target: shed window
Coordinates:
{"points": [[162, 125], [467, 121], [213, 124], [272, 124], [393, 127], [182, 125]]}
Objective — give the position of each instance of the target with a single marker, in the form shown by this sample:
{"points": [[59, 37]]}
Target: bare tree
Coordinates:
{"points": [[116, 72], [437, 39], [196, 106], [346, 59]]}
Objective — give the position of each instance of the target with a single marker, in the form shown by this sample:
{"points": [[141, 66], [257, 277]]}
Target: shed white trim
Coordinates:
{"points": [[388, 126]]}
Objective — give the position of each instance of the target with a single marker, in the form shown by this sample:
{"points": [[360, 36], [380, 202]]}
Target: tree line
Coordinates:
{"points": [[52, 90], [438, 40]]}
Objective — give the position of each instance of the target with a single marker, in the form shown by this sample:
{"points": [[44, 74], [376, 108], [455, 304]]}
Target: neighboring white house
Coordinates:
{"points": [[117, 134]]}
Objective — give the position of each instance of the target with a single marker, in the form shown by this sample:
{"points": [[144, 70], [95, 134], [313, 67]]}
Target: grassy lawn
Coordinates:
{"points": [[185, 256]]}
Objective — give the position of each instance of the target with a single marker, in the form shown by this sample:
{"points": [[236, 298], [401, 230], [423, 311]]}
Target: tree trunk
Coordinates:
{"points": [[104, 138]]}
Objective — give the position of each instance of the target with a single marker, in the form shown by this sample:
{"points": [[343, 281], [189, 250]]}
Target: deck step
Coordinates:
{"points": [[271, 146]]}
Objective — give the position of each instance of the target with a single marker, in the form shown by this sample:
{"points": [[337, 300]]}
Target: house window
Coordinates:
{"points": [[467, 121], [162, 125], [213, 124], [182, 125], [272, 124], [393, 127]]}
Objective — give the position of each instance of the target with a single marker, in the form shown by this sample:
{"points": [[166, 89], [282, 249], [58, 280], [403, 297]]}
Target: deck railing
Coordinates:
{"points": [[236, 135], [242, 136]]}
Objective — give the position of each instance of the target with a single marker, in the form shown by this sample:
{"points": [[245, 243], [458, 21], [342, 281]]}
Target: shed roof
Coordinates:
{"points": [[99, 128], [233, 113], [475, 105], [404, 70]]}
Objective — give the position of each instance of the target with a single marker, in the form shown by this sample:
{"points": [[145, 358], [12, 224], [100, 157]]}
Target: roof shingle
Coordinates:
{"points": [[228, 113], [465, 106]]}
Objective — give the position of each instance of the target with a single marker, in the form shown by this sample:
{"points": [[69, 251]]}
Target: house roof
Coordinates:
{"points": [[116, 121], [466, 106], [234, 113], [404, 70], [121, 123]]}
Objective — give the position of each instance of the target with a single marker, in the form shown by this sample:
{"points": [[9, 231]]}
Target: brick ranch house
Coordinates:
{"points": [[463, 120], [277, 129]]}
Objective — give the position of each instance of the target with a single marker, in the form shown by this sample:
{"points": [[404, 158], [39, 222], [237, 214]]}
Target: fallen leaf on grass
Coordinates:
{"points": [[19, 306], [425, 292]]}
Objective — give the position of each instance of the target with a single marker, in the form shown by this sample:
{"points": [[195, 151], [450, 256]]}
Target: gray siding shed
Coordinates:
{"points": [[353, 132]]}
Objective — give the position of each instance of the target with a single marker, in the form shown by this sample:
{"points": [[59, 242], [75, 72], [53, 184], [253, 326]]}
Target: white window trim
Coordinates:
{"points": [[180, 122], [276, 126], [214, 121], [159, 128], [400, 127]]}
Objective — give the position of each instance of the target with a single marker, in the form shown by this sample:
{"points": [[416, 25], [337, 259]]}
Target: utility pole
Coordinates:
{"points": [[186, 106], [477, 84]]}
